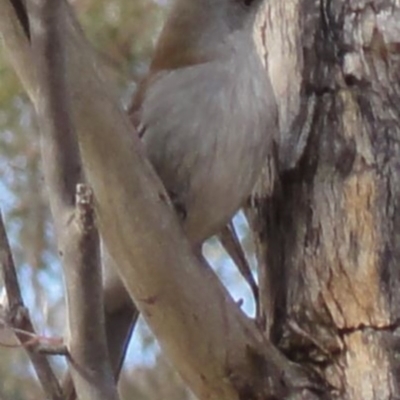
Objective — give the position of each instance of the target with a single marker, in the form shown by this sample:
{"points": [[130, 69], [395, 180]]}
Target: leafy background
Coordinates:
{"points": [[124, 33]]}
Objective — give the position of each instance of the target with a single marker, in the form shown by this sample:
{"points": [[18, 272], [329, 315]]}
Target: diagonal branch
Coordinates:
{"points": [[63, 171], [19, 319], [17, 45], [20, 10]]}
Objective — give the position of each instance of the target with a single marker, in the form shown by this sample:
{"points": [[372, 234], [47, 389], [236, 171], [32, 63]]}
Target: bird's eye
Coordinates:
{"points": [[247, 4]]}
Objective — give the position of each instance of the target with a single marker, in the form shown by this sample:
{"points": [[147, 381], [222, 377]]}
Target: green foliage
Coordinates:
{"points": [[123, 31]]}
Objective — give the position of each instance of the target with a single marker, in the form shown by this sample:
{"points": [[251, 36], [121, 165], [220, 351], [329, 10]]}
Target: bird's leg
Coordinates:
{"points": [[230, 242]]}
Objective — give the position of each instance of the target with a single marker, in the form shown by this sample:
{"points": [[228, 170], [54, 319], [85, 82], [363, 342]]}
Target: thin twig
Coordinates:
{"points": [[19, 319], [38, 343]]}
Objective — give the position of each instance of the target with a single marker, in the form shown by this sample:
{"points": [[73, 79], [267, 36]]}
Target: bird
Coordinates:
{"points": [[207, 117], [206, 111]]}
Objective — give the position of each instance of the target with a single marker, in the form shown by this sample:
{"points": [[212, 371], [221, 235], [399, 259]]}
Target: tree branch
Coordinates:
{"points": [[17, 46], [63, 171], [77, 238], [18, 317], [91, 370], [20, 11]]}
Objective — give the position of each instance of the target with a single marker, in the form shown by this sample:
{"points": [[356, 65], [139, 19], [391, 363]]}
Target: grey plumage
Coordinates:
{"points": [[208, 128]]}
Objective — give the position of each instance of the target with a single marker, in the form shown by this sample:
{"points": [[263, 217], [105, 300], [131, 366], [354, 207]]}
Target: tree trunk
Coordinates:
{"points": [[328, 242]]}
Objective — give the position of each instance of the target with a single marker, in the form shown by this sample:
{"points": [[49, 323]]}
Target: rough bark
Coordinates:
{"points": [[329, 235]]}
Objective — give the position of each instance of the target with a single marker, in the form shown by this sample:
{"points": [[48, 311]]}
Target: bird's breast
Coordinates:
{"points": [[206, 134]]}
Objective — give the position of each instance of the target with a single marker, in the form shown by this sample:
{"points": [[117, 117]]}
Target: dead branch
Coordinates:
{"points": [[19, 319]]}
